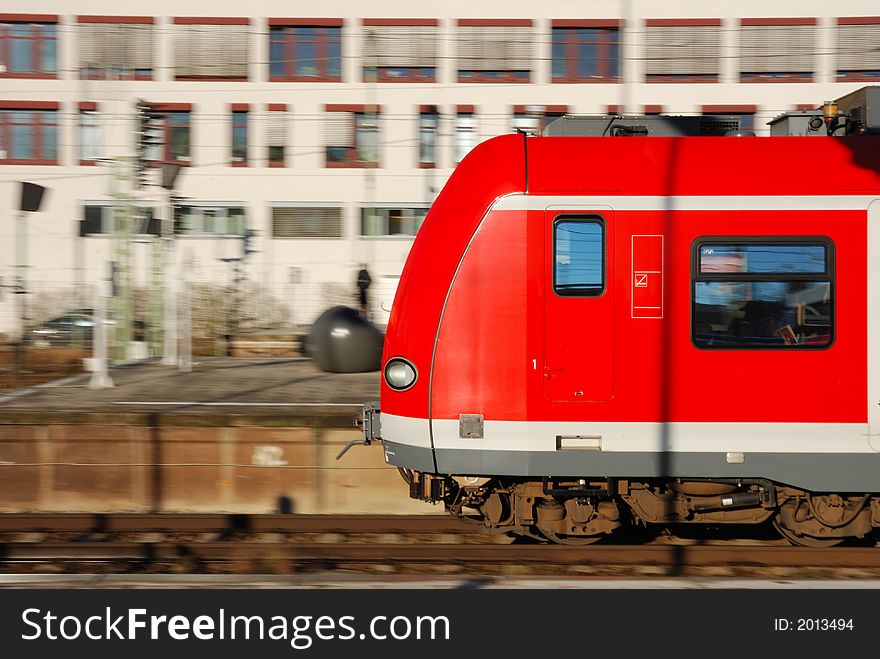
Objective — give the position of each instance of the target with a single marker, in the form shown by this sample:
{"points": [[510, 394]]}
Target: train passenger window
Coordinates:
{"points": [[579, 257], [762, 293]]}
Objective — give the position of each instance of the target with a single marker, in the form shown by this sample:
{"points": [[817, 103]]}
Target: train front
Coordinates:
{"points": [[402, 418]]}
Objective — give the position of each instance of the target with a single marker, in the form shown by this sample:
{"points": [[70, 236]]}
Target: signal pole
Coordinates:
{"points": [[169, 343], [146, 141], [122, 248]]}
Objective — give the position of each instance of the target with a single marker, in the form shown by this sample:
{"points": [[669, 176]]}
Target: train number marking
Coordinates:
{"points": [[268, 456], [647, 276]]}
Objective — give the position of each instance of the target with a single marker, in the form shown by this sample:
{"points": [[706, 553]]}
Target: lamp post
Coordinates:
{"points": [[170, 173], [31, 199]]}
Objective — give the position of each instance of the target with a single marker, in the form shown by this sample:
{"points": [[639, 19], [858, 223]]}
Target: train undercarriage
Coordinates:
{"points": [[583, 511]]}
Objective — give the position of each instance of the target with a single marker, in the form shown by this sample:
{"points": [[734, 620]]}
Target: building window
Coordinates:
{"points": [[682, 51], [276, 136], [400, 53], [352, 136], [209, 220], [391, 221], [306, 222], [170, 134], [763, 293], [28, 137], [578, 257], [210, 51], [527, 122], [428, 123], [28, 50], [776, 52], [858, 49], [465, 134], [584, 54], [99, 219], [305, 53], [239, 138], [494, 53], [89, 137], [115, 51]]}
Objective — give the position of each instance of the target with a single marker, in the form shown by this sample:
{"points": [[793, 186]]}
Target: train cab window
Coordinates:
{"points": [[579, 257], [758, 293]]}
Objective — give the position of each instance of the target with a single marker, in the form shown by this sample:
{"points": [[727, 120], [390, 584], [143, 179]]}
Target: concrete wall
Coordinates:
{"points": [[244, 469]]}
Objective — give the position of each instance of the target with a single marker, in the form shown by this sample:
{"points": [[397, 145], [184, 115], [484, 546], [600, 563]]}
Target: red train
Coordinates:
{"points": [[592, 332]]}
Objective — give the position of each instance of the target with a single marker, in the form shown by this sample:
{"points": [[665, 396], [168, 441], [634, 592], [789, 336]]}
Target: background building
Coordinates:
{"points": [[329, 134]]}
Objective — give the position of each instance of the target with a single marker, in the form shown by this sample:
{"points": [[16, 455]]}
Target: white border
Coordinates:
{"points": [[521, 202]]}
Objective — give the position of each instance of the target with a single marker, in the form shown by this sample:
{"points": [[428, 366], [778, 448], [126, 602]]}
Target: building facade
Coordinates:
{"points": [[311, 142]]}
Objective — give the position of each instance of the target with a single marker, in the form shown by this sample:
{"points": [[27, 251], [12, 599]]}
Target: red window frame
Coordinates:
{"points": [[710, 78], [351, 155], [206, 20], [858, 75], [40, 112], [84, 107], [240, 116], [566, 29], [411, 73], [288, 39], [38, 21], [162, 110], [431, 111], [282, 161], [774, 76], [504, 76], [118, 20]]}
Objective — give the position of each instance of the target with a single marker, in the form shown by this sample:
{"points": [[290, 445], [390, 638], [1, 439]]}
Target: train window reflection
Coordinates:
{"points": [[579, 257], [763, 295], [762, 259]]}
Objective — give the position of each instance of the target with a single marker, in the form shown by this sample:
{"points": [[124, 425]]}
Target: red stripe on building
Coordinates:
{"points": [[587, 22], [733, 109], [352, 107], [128, 20], [431, 22], [319, 22], [683, 22], [777, 21], [211, 20], [29, 105], [859, 20], [172, 107], [495, 22]]}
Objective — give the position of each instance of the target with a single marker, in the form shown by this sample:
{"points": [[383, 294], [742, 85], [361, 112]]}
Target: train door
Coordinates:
{"points": [[578, 305]]}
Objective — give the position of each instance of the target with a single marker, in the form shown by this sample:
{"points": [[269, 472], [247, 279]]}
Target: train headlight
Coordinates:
{"points": [[400, 374]]}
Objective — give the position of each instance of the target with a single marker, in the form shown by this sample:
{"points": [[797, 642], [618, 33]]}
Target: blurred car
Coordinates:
{"points": [[72, 328]]}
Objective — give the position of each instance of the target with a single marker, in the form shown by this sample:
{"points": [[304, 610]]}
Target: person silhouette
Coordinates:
{"points": [[363, 283]]}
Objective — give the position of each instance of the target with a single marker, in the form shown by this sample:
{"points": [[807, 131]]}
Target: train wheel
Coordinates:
{"points": [[576, 540], [804, 540]]}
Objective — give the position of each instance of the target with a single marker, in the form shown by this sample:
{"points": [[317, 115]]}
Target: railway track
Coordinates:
{"points": [[289, 543], [225, 523]]}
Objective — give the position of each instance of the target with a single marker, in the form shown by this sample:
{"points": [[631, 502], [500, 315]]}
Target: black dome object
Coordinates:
{"points": [[341, 341]]}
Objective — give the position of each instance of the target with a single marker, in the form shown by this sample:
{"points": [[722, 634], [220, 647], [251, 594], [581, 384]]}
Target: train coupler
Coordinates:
{"points": [[370, 425], [427, 487]]}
